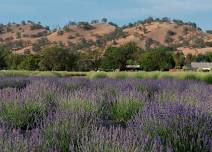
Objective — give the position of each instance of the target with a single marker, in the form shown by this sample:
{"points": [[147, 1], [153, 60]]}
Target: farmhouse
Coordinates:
{"points": [[204, 66]]}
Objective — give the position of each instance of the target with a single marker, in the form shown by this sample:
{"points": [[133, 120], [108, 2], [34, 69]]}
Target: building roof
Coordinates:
{"points": [[201, 65], [133, 66]]}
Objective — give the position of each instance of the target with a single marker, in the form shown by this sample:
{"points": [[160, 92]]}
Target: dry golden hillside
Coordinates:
{"points": [[31, 37], [164, 33], [75, 33], [26, 32]]}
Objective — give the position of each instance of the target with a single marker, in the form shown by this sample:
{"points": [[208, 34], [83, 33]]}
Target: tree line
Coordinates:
{"points": [[58, 58]]}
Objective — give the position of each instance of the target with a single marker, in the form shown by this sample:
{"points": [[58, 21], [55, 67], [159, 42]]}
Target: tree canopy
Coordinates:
{"points": [[57, 58], [4, 52], [157, 59], [117, 57]]}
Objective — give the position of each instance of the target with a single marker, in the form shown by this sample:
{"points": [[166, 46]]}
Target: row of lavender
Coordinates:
{"points": [[104, 115]]}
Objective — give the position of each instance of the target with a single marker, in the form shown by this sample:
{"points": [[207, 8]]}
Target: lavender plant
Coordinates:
{"points": [[105, 115]]}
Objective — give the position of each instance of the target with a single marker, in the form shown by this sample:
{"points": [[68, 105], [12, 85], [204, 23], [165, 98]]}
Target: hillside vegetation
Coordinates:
{"points": [[31, 37], [151, 45]]}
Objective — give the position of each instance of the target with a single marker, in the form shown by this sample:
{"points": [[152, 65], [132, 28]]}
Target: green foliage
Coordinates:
{"points": [[116, 58], [204, 57], [149, 20], [209, 31], [13, 60], [179, 135], [179, 59], [35, 26], [30, 62], [65, 133], [118, 33], [13, 84], [189, 58], [76, 105], [149, 42], [90, 60], [18, 35], [85, 25], [157, 59], [113, 24], [109, 60], [57, 58], [122, 111], [66, 28], [4, 52], [1, 28], [171, 33], [40, 43], [168, 39], [104, 20], [60, 128], [23, 116]]}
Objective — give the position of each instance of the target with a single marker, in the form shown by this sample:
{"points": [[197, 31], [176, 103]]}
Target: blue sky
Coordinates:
{"points": [[54, 12]]}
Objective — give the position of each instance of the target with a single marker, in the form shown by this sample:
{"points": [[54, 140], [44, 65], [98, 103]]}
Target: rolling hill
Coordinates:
{"points": [[32, 37]]}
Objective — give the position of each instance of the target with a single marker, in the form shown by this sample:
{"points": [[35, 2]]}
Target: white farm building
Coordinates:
{"points": [[204, 66]]}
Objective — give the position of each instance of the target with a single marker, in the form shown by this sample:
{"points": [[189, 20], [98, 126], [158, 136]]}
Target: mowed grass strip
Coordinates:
{"points": [[200, 76]]}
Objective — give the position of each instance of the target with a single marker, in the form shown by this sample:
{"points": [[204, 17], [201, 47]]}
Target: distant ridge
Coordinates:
{"points": [[32, 37]]}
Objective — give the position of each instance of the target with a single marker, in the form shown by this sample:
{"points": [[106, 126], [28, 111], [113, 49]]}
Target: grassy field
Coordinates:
{"points": [[206, 77]]}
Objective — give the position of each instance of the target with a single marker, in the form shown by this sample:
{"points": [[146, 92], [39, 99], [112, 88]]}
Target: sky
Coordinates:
{"points": [[56, 13]]}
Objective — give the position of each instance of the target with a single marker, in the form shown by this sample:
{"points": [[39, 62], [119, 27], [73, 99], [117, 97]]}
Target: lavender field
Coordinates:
{"points": [[104, 115]]}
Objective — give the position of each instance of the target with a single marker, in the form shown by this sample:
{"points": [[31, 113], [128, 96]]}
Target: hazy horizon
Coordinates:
{"points": [[54, 13]]}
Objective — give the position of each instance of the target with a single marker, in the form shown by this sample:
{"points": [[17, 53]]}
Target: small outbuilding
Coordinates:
{"points": [[203, 66], [133, 67]]}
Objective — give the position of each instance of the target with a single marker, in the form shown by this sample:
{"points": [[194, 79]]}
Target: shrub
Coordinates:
{"points": [[85, 25], [171, 33], [18, 35], [51, 58], [98, 75], [209, 31], [149, 42], [65, 132], [23, 116], [175, 126], [168, 39], [150, 90], [77, 105], [59, 128], [66, 28], [10, 83], [35, 26], [71, 37], [122, 111], [60, 32]]}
